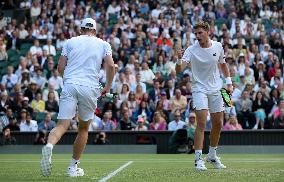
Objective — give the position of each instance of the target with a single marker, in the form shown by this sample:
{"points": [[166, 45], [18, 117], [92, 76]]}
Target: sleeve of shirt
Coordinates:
{"points": [[187, 55], [222, 56], [107, 50], [65, 50]]}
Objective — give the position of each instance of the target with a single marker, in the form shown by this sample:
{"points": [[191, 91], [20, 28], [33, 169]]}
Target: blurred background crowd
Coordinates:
{"points": [[144, 35]]}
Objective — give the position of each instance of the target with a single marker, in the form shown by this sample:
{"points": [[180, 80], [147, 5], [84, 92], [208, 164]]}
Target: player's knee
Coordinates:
{"points": [[201, 126], [83, 127]]}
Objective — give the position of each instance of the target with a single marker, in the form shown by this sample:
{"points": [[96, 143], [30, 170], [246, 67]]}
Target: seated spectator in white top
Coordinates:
{"points": [[177, 123], [49, 48], [29, 124], [56, 80], [138, 82], [147, 74], [61, 41], [36, 50], [23, 33]]}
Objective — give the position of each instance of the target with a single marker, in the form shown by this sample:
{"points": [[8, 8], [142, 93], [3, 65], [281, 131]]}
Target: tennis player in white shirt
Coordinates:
{"points": [[206, 57], [79, 64]]}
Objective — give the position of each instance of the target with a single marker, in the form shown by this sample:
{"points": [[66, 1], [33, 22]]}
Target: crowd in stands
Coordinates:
{"points": [[144, 35]]}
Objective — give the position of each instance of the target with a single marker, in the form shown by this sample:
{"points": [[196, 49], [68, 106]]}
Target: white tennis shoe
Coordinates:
{"points": [[75, 171], [45, 163]]}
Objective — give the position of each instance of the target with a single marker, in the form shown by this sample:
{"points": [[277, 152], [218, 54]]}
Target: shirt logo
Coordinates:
{"points": [[214, 54]]}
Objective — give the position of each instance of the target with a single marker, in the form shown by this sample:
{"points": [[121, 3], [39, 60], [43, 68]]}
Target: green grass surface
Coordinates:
{"points": [[148, 168]]}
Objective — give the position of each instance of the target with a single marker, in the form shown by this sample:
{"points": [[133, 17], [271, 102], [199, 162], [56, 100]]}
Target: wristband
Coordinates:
{"points": [[179, 61], [228, 80]]}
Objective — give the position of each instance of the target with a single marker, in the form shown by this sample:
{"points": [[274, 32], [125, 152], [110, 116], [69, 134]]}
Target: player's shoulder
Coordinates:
{"points": [[216, 44], [192, 47]]}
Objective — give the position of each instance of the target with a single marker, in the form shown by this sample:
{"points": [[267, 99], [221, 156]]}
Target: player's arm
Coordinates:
{"points": [[226, 73], [181, 63], [61, 65], [110, 71]]}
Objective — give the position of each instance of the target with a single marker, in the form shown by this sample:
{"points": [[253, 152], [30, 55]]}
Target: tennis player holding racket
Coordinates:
{"points": [[206, 57]]}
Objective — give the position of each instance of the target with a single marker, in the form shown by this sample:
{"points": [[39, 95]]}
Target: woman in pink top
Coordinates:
{"points": [[232, 124], [158, 122]]}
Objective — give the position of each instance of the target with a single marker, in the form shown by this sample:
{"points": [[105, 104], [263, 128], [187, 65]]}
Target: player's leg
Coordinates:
{"points": [[87, 103], [78, 148], [67, 110], [216, 116], [200, 103]]}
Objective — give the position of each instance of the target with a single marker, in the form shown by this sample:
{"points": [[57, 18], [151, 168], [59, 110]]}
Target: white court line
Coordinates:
{"points": [[112, 174], [143, 161]]}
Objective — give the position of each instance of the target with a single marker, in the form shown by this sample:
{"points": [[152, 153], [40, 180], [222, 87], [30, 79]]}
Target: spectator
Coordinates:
{"points": [[140, 126], [147, 75], [10, 79], [51, 105], [13, 126], [232, 124], [41, 138], [106, 123], [178, 102], [49, 48], [158, 122], [177, 123], [36, 50], [125, 123], [47, 124], [133, 86], [56, 80], [38, 104], [279, 121], [7, 138], [28, 124], [259, 107]]}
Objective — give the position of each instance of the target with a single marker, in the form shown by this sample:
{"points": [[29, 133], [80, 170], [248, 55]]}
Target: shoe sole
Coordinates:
{"points": [[45, 164]]}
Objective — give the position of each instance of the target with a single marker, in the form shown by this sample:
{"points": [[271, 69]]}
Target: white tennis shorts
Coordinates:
{"points": [[212, 102], [77, 95]]}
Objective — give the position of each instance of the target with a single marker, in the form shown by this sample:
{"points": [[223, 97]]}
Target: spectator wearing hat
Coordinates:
{"points": [[177, 123], [140, 126], [25, 105], [40, 80], [25, 79], [32, 90], [260, 71], [29, 124]]}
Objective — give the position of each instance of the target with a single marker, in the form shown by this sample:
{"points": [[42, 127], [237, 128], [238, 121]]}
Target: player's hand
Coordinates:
{"points": [[180, 53], [230, 88], [105, 90]]}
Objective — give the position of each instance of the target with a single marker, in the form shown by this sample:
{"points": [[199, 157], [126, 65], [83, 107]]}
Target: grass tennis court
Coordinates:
{"points": [[144, 167]]}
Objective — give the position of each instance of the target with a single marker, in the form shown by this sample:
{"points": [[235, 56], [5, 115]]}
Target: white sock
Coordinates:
{"points": [[49, 145], [73, 162], [212, 151], [198, 154]]}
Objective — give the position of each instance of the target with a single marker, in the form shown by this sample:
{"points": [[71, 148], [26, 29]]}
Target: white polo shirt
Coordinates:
{"points": [[204, 65], [85, 54]]}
